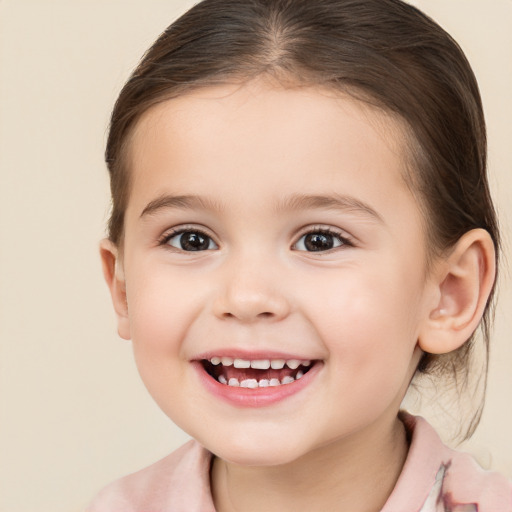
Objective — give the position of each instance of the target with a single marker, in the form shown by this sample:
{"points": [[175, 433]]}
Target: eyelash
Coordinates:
{"points": [[164, 240], [343, 240]]}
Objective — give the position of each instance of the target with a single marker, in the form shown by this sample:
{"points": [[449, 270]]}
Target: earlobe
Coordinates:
{"points": [[463, 285], [114, 277]]}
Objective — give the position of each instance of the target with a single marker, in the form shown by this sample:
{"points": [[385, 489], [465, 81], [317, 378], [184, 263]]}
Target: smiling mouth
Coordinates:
{"points": [[258, 373]]}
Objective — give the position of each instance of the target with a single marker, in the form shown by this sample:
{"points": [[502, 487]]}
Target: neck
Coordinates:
{"points": [[357, 475]]}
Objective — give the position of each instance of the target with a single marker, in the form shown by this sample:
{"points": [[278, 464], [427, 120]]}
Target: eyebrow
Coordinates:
{"points": [[295, 202], [184, 202], [338, 202]]}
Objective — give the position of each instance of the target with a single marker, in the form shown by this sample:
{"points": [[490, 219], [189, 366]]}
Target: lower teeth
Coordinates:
{"points": [[253, 383], [249, 383]]}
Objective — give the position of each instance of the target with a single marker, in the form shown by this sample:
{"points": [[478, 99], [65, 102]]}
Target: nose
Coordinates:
{"points": [[250, 293]]}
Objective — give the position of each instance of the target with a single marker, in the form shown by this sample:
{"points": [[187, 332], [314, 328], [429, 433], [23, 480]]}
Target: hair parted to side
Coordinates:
{"points": [[383, 52]]}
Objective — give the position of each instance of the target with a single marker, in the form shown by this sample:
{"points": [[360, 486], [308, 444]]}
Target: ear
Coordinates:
{"points": [[462, 284], [114, 276]]}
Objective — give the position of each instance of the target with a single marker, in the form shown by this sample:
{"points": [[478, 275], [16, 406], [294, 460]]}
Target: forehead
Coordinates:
{"points": [[226, 122], [243, 153]]}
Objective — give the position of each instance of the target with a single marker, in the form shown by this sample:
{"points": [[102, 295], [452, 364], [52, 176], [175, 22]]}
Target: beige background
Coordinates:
{"points": [[73, 414]]}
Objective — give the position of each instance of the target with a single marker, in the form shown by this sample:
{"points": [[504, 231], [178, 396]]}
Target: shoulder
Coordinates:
{"points": [[441, 479], [178, 482], [466, 482]]}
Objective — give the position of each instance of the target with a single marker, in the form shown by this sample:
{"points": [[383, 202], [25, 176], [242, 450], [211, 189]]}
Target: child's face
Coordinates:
{"points": [[308, 246]]}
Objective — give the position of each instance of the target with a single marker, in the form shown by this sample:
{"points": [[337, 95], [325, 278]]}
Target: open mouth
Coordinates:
{"points": [[257, 373]]}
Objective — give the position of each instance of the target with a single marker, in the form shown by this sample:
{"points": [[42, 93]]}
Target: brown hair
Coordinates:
{"points": [[382, 51]]}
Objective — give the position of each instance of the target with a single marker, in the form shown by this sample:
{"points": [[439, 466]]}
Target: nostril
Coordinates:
{"points": [[264, 314], [250, 306]]}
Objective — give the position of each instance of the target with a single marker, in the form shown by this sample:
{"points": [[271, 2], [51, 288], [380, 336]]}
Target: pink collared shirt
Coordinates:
{"points": [[434, 478]]}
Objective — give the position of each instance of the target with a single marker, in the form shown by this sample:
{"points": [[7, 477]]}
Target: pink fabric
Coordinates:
{"points": [[434, 479]]}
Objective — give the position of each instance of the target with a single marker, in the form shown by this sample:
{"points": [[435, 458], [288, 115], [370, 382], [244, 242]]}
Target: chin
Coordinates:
{"points": [[256, 458], [258, 452]]}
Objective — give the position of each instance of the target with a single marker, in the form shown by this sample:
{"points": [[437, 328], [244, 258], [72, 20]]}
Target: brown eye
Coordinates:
{"points": [[192, 241], [319, 241]]}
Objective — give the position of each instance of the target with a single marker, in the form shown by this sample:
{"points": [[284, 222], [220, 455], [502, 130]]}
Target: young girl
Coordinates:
{"points": [[301, 225]]}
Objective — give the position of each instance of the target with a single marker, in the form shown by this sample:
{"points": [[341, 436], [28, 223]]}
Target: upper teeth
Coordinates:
{"points": [[260, 364]]}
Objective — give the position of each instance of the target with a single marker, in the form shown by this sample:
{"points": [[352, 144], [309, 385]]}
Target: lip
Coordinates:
{"points": [[242, 354], [259, 397]]}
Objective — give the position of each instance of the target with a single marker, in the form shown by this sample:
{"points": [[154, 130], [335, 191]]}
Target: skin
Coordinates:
{"points": [[360, 308]]}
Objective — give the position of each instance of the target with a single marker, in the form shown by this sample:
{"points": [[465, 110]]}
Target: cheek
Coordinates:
{"points": [[159, 311], [158, 324], [370, 341], [368, 321]]}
